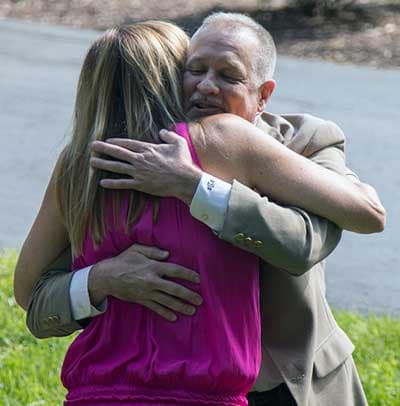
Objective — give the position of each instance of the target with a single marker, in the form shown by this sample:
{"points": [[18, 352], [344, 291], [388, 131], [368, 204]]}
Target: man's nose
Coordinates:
{"points": [[208, 86]]}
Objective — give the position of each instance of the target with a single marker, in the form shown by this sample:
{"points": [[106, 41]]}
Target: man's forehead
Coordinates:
{"points": [[230, 46], [225, 57]]}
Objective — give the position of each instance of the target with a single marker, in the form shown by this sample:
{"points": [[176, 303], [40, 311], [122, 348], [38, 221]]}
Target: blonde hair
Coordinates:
{"points": [[130, 86]]}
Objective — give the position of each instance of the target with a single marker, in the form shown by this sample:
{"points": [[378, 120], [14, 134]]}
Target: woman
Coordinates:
{"points": [[132, 356], [130, 84]]}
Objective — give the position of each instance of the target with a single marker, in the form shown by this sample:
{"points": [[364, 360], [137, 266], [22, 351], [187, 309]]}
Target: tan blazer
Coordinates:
{"points": [[299, 333]]}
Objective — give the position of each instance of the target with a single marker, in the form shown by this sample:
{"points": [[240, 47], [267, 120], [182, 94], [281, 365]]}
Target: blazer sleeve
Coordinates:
{"points": [[49, 311], [288, 238]]}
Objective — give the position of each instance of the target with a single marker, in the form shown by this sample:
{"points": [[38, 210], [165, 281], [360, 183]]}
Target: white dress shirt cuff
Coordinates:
{"points": [[210, 201], [79, 296]]}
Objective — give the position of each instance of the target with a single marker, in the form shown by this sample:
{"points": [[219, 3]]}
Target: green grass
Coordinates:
{"points": [[30, 368], [377, 355]]}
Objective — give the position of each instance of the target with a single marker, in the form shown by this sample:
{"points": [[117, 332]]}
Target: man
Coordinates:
{"points": [[306, 356]]}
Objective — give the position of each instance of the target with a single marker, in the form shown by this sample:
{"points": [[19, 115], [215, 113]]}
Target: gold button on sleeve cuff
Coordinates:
{"points": [[239, 237]]}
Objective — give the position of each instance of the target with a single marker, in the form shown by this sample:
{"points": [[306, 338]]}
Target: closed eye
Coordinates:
{"points": [[229, 78], [194, 71]]}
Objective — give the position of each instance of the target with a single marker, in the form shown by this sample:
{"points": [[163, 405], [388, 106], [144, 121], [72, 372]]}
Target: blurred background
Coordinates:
{"points": [[355, 31]]}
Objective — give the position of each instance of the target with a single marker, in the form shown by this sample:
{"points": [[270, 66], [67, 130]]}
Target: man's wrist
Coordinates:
{"points": [[187, 185], [97, 284], [210, 201]]}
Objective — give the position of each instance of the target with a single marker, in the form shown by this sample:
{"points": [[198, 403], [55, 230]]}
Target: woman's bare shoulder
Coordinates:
{"points": [[222, 124], [220, 144], [220, 129]]}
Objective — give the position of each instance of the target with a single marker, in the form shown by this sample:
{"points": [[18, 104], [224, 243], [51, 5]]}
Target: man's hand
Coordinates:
{"points": [[157, 169], [137, 275]]}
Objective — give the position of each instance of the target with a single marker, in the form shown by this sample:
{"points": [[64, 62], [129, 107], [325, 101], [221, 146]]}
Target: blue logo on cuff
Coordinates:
{"points": [[211, 184]]}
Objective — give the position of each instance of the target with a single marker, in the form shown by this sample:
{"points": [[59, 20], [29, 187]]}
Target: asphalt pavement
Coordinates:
{"points": [[39, 68]]}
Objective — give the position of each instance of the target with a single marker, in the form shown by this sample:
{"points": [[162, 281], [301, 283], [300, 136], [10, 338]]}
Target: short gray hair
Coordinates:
{"points": [[265, 58]]}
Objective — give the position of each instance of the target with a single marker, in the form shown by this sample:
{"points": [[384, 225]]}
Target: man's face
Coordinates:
{"points": [[218, 76]]}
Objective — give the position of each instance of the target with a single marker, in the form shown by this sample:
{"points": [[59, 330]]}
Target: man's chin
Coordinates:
{"points": [[195, 113]]}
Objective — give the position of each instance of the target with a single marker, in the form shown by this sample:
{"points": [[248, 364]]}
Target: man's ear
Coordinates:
{"points": [[265, 92]]}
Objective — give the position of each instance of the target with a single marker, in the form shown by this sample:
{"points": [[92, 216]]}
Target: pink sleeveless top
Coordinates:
{"points": [[131, 356]]}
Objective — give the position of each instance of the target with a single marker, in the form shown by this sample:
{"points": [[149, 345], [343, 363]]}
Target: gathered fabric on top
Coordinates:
{"points": [[132, 356]]}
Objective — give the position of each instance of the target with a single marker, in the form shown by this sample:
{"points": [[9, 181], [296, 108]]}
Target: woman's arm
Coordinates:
{"points": [[46, 239], [232, 148]]}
